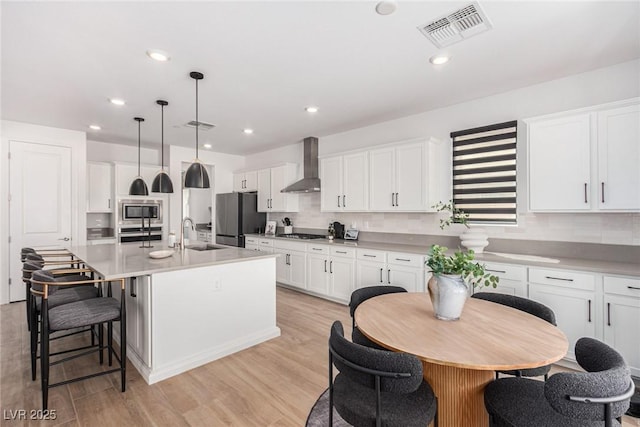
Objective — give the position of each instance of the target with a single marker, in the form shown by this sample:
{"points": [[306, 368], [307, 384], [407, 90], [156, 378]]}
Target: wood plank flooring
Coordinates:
{"points": [[272, 384]]}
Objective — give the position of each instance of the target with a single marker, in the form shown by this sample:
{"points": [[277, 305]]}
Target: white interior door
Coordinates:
{"points": [[40, 203]]}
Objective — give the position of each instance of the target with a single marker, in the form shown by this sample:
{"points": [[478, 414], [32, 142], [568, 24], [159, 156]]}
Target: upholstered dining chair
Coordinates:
{"points": [[376, 387], [597, 397], [79, 314], [528, 306], [358, 297]]}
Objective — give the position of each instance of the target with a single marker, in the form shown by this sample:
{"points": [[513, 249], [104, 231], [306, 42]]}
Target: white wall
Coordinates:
{"points": [[115, 152], [15, 131], [600, 86]]}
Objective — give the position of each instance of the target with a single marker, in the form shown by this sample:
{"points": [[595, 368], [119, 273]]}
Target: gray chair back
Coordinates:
{"points": [[361, 295], [24, 252], [43, 276], [523, 304], [378, 360]]}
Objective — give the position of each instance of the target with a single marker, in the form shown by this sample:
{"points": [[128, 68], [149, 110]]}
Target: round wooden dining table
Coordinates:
{"points": [[459, 357]]}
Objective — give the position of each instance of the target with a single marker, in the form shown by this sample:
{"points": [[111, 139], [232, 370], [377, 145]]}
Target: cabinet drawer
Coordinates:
{"points": [[372, 255], [318, 249], [409, 260], [622, 286], [265, 242], [251, 240], [343, 252], [567, 279], [506, 271], [291, 246]]}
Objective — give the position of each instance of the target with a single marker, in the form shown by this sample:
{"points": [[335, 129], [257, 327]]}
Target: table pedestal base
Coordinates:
{"points": [[460, 394]]}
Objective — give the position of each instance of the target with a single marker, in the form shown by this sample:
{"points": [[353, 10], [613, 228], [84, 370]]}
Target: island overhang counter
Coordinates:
{"points": [[192, 307]]}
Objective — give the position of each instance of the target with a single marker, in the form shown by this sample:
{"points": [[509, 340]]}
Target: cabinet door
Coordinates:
{"points": [[506, 286], [331, 182], [125, 174], [282, 267], [278, 182], [621, 314], [412, 279], [138, 295], [342, 274], [381, 181], [410, 177], [298, 269], [370, 273], [355, 182], [251, 181], [149, 174], [99, 197], [559, 164], [264, 190], [574, 310], [238, 182], [317, 274], [618, 158]]}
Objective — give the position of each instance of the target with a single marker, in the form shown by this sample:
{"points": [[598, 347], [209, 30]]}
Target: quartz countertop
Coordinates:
{"points": [[596, 266], [114, 261]]}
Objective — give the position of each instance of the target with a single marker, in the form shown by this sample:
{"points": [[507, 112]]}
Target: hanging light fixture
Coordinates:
{"points": [[196, 176], [162, 182], [138, 186]]}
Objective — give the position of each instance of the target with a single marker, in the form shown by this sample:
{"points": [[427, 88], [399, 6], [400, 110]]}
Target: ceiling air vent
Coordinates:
{"points": [[456, 26], [202, 125]]}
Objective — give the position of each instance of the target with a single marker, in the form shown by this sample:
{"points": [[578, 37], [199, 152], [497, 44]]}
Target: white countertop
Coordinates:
{"points": [[114, 261], [596, 266]]}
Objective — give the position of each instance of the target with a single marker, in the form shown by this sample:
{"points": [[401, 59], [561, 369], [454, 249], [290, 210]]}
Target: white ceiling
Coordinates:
{"points": [[265, 61]]}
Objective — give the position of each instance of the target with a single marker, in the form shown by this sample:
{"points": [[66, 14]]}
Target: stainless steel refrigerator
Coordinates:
{"points": [[236, 215]]}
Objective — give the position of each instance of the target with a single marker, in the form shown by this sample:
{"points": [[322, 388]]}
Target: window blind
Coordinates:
{"points": [[484, 172]]}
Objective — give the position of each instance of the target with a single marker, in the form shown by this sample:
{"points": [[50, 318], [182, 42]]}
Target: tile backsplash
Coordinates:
{"points": [[609, 228]]}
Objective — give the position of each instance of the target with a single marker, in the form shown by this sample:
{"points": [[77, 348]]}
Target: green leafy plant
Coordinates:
{"points": [[456, 216], [460, 263]]}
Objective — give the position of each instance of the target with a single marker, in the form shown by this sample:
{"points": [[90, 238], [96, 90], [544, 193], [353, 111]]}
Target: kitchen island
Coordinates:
{"points": [[192, 307]]}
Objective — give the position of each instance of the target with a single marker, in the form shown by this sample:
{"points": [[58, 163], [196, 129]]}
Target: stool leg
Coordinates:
{"points": [[123, 350], [100, 342], [44, 357], [110, 342]]}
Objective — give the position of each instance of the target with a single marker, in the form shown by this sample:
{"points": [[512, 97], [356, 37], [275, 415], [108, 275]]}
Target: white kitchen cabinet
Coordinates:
{"points": [[390, 268], [99, 187], [270, 182], [125, 173], [371, 268], [95, 242], [251, 243], [513, 279], [572, 297], [138, 301], [291, 266], [265, 245], [345, 183], [397, 178], [585, 160], [204, 236], [245, 181], [622, 317], [331, 271]]}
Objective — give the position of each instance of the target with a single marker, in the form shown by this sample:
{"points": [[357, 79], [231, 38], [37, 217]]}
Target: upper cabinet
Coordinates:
{"points": [[345, 183], [245, 181], [126, 173], [585, 161], [99, 185], [270, 182]]}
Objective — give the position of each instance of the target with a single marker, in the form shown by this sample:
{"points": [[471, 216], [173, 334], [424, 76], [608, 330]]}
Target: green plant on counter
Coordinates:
{"points": [[456, 216], [460, 263]]}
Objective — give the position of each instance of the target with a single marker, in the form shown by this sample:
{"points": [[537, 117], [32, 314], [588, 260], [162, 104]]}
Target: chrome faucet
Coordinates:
{"points": [[184, 223]]}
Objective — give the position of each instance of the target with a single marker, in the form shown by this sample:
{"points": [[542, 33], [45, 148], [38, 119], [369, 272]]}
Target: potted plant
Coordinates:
{"points": [[473, 238], [447, 286]]}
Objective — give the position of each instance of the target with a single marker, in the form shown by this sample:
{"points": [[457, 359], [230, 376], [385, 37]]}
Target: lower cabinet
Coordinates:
{"points": [[138, 301], [291, 265], [572, 297], [622, 317], [390, 268], [331, 271], [513, 279], [251, 243]]}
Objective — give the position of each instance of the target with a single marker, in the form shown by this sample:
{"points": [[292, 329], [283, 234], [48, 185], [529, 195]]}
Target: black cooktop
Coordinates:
{"points": [[303, 236]]}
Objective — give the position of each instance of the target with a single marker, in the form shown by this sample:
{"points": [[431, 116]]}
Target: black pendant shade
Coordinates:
{"points": [[162, 182], [196, 176], [138, 186]]}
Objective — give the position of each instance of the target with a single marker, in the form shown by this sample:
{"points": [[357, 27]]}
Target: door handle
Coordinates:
{"points": [[344, 201], [585, 193], [602, 185], [331, 267], [389, 276], [325, 265], [338, 200], [589, 319], [381, 275], [109, 203], [132, 291], [66, 239], [397, 204], [392, 202], [608, 314]]}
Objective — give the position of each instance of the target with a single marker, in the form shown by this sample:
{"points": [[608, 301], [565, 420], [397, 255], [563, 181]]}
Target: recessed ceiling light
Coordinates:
{"points": [[386, 7], [439, 59], [207, 145], [116, 101], [158, 55], [248, 131], [311, 109], [94, 127]]}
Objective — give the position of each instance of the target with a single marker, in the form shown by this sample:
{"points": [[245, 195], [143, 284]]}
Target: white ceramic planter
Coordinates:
{"points": [[475, 238], [448, 294]]}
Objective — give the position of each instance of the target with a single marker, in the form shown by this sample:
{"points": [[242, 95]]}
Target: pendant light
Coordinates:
{"points": [[196, 176], [138, 186], [162, 182]]}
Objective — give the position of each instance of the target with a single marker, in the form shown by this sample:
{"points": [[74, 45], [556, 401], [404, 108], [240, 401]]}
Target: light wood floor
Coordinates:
{"points": [[272, 384]]}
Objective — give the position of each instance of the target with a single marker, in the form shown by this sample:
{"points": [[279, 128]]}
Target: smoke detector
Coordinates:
{"points": [[201, 125], [456, 26]]}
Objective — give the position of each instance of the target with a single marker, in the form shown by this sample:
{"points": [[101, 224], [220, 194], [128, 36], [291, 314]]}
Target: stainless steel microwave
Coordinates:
{"points": [[135, 211]]}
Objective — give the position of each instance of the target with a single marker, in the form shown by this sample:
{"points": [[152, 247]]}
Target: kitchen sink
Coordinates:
{"points": [[205, 247]]}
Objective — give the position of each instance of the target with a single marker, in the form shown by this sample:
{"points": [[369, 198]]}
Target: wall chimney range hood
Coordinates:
{"points": [[310, 183]]}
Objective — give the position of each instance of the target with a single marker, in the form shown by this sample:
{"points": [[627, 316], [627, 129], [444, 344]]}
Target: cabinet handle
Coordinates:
{"points": [[608, 314], [338, 200], [381, 275], [344, 201], [559, 278], [635, 288], [109, 203], [397, 203], [408, 260], [132, 291], [602, 185], [392, 202], [325, 265], [316, 249], [589, 320], [370, 256], [341, 252], [331, 267], [585, 193], [496, 271], [286, 259], [389, 276]]}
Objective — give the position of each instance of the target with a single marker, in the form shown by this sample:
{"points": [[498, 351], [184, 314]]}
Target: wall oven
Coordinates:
{"points": [[127, 234], [135, 212]]}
